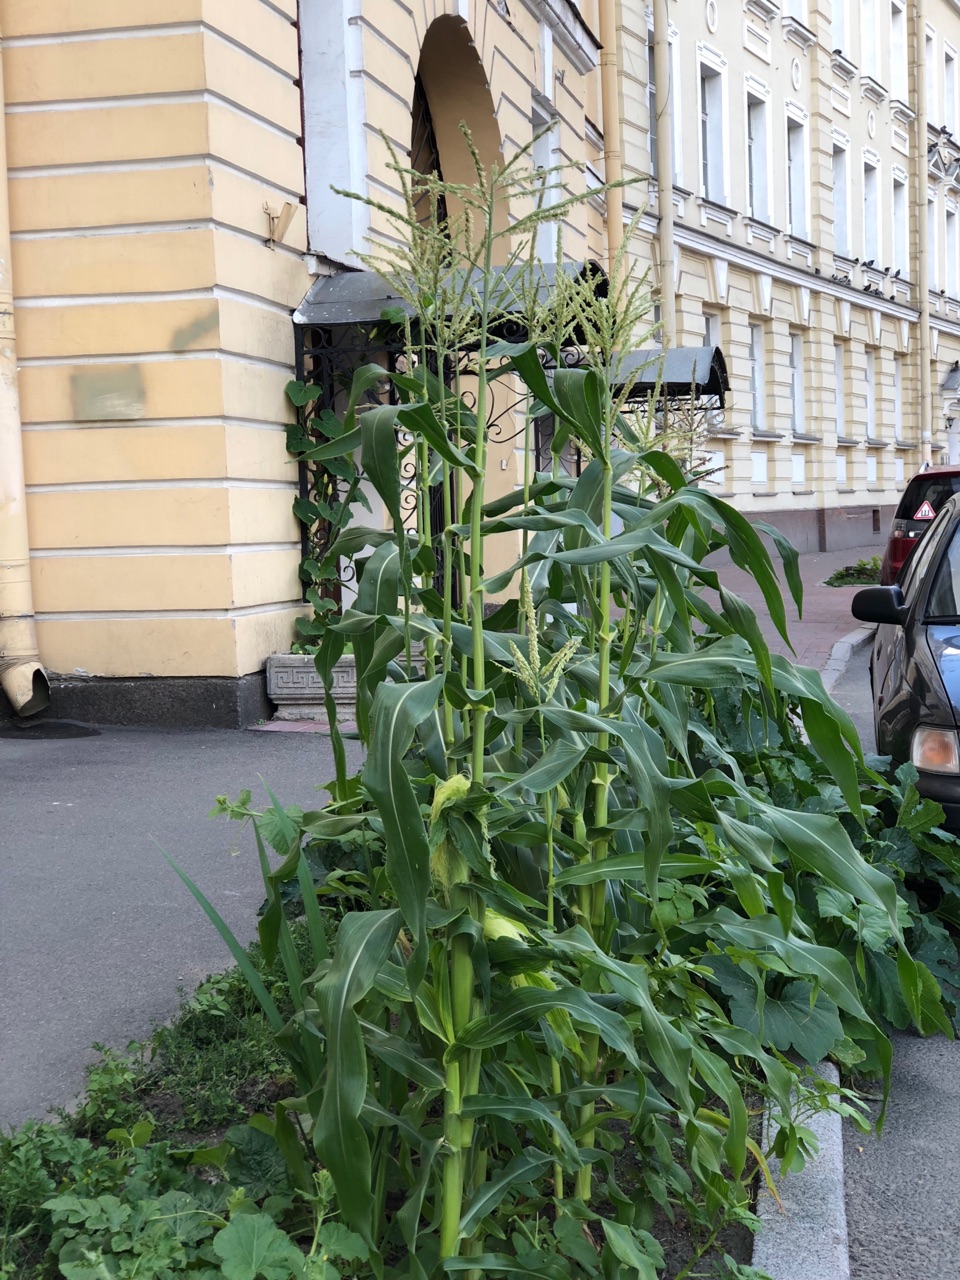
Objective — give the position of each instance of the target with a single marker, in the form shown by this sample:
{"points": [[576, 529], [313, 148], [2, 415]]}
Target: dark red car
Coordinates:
{"points": [[924, 496]]}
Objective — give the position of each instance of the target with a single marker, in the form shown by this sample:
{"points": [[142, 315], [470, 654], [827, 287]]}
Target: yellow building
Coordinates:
{"points": [[169, 167]]}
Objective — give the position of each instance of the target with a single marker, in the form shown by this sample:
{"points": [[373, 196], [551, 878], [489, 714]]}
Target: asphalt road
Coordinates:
{"points": [[903, 1209], [96, 931]]}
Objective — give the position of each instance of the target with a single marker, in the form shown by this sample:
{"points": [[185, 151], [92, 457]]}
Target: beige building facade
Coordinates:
{"points": [[170, 170], [815, 197]]}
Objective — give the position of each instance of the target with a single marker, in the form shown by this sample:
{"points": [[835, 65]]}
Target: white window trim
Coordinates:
{"points": [[798, 407], [758, 380], [950, 117], [901, 235], [899, 70]]}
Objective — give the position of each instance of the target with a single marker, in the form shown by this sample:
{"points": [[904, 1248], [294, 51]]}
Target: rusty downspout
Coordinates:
{"points": [[22, 678]]}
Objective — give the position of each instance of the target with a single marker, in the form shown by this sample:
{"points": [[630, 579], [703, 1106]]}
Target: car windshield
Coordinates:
{"points": [[944, 599], [926, 488]]}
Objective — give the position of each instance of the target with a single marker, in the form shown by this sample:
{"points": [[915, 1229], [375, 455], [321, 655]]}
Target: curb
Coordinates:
{"points": [[845, 649], [807, 1239]]}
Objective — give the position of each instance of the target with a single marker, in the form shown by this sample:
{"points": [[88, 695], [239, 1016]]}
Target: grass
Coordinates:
{"points": [[865, 573]]}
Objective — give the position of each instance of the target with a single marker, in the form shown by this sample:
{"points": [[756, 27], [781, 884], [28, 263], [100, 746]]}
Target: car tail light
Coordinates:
{"points": [[898, 549], [935, 750]]}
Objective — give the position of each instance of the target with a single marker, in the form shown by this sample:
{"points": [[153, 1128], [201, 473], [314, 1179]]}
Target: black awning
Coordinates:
{"points": [[361, 297], [683, 373]]}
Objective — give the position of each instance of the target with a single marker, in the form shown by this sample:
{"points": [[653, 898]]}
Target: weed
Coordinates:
{"points": [[863, 573]]}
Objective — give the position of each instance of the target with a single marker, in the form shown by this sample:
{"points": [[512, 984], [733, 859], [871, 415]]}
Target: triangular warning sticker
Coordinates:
{"points": [[925, 512]]}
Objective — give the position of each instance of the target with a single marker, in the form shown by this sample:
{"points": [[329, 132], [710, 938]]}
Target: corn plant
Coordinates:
{"points": [[593, 937]]}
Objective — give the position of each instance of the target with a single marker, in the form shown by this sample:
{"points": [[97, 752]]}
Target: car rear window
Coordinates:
{"points": [[933, 489]]}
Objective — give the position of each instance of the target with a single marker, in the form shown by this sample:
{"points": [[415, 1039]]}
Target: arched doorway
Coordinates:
{"points": [[451, 88]]}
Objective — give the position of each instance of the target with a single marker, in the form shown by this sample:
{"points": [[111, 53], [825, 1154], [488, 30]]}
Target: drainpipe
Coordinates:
{"points": [[21, 675], [610, 105], [923, 245], [666, 244]]}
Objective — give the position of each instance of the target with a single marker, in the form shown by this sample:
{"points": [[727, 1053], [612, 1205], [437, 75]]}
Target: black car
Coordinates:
{"points": [[915, 662]]}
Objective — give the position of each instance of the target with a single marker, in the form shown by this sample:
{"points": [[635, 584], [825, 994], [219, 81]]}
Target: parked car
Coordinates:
{"points": [[915, 662], [922, 499]]}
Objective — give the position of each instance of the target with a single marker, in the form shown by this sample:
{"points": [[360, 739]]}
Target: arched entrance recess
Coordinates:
{"points": [[452, 87]]}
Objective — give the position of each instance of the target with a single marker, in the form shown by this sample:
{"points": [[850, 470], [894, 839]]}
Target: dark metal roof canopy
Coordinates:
{"points": [[682, 373], [952, 381], [360, 297]]}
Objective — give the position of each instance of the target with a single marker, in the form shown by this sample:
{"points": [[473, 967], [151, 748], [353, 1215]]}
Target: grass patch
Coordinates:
{"points": [[865, 573]]}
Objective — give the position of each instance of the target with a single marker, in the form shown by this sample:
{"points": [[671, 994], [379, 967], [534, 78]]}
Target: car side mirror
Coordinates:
{"points": [[879, 604]]}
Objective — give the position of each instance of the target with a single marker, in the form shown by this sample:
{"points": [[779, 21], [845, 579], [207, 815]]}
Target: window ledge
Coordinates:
{"points": [[905, 444], [846, 491], [900, 111], [764, 493], [876, 488], [801, 493], [846, 442], [767, 435], [724, 435], [873, 443], [801, 437], [872, 89], [798, 32], [842, 65]]}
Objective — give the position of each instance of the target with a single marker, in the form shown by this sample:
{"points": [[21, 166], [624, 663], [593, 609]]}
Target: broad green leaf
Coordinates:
{"points": [[380, 457], [252, 1247], [584, 404], [364, 943], [625, 1246], [503, 1264]]}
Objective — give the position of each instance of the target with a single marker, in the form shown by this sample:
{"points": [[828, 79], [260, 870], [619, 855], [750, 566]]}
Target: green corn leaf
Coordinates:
{"points": [[244, 964], [364, 378], [364, 944], [818, 843], [502, 1264], [554, 766], [402, 1055], [743, 619], [524, 1111], [825, 964], [522, 1008], [397, 711], [419, 419], [380, 457], [791, 561], [520, 1170], [580, 396]]}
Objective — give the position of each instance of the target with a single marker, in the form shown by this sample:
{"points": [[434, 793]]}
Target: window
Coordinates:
{"points": [[950, 89], [932, 273], [870, 383], [798, 468], [758, 383], [841, 203], [871, 469], [758, 467], [868, 37], [950, 250], [797, 415], [898, 398], [711, 329], [838, 25], [898, 471], [871, 214], [757, 166], [898, 52], [713, 466], [840, 380], [796, 177], [841, 468], [711, 134], [652, 105], [900, 225], [931, 79]]}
